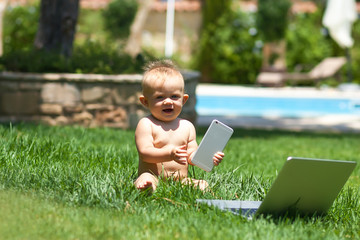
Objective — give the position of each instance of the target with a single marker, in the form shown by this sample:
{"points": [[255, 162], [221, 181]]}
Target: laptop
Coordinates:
{"points": [[304, 186]]}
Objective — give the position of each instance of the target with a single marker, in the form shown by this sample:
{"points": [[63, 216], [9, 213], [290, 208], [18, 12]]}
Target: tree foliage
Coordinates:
{"points": [[232, 49], [272, 19], [307, 45], [118, 17], [20, 26], [212, 10]]}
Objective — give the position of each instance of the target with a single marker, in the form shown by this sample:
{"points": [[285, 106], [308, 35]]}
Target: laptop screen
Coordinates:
{"points": [[306, 186]]}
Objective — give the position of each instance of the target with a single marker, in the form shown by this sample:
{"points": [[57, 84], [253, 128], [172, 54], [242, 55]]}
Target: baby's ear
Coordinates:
{"points": [[144, 101], [185, 98]]}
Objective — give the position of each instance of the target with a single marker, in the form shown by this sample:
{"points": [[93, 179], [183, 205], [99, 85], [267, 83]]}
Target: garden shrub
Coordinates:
{"points": [[31, 60], [88, 57], [118, 16], [355, 52], [20, 26], [306, 42], [271, 19], [211, 11], [95, 57], [235, 49]]}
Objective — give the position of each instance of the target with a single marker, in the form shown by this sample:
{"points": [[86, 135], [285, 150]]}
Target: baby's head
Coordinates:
{"points": [[163, 90], [158, 73]]}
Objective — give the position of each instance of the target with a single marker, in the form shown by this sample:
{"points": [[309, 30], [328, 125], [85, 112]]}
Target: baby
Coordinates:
{"points": [[165, 142]]}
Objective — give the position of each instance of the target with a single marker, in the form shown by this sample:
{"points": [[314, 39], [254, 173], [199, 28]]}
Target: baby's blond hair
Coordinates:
{"points": [[157, 72]]}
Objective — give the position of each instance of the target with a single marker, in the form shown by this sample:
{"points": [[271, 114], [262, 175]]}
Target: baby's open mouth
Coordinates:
{"points": [[168, 110]]}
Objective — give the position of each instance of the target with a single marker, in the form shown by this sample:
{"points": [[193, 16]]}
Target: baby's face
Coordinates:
{"points": [[165, 100]]}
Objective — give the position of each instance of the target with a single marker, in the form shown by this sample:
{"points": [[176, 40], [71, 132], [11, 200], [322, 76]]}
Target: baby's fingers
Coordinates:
{"points": [[183, 147], [218, 157], [180, 150], [182, 155], [181, 158]]}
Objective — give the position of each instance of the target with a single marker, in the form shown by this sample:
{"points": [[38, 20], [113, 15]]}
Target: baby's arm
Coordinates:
{"points": [[192, 144], [149, 153]]}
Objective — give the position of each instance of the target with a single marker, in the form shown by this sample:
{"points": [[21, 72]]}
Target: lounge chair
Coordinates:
{"points": [[325, 69]]}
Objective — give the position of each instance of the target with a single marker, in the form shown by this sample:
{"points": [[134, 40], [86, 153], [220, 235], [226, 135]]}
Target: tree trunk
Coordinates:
{"points": [[57, 24], [3, 4], [133, 45]]}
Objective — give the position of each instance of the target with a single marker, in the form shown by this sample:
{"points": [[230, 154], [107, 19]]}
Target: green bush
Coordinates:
{"points": [[212, 10], [355, 53], [20, 26], [306, 42], [272, 19], [90, 57], [235, 49], [118, 17], [93, 57], [34, 61]]}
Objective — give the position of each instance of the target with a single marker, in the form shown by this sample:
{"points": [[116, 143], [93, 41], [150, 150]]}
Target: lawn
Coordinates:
{"points": [[77, 183]]}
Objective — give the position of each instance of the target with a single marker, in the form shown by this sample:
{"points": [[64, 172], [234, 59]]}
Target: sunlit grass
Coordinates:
{"points": [[77, 183]]}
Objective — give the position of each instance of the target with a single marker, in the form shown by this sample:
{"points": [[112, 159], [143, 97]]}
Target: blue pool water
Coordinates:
{"points": [[275, 107]]}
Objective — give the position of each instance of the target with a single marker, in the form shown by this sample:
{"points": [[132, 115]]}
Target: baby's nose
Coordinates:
{"points": [[167, 101]]}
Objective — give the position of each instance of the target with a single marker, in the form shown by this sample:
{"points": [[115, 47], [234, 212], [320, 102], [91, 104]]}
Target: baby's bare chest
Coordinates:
{"points": [[176, 137]]}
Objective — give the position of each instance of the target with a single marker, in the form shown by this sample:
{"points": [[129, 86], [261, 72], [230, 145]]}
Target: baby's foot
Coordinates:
{"points": [[202, 185], [144, 185], [148, 186], [146, 181]]}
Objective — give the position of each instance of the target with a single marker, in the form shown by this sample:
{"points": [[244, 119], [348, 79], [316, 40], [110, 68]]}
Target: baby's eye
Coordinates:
{"points": [[159, 97], [175, 96]]}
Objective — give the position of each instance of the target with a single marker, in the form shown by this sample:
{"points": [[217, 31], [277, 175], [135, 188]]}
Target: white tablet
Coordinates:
{"points": [[215, 140]]}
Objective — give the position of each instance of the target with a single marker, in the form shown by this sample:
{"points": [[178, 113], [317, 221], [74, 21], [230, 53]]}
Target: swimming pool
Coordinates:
{"points": [[276, 106], [280, 108]]}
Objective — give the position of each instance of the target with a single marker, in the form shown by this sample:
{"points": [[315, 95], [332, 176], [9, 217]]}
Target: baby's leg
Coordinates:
{"points": [[145, 181], [201, 184]]}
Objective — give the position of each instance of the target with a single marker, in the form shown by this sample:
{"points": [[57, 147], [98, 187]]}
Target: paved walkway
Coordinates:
{"points": [[333, 123]]}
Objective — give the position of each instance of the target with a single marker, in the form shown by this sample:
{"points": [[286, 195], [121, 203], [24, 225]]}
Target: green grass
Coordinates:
{"points": [[77, 183]]}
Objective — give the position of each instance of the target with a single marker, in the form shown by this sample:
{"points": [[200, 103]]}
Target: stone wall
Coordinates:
{"points": [[90, 100]]}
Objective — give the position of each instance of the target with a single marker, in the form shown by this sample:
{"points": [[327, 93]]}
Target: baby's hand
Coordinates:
{"points": [[218, 157], [179, 154]]}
